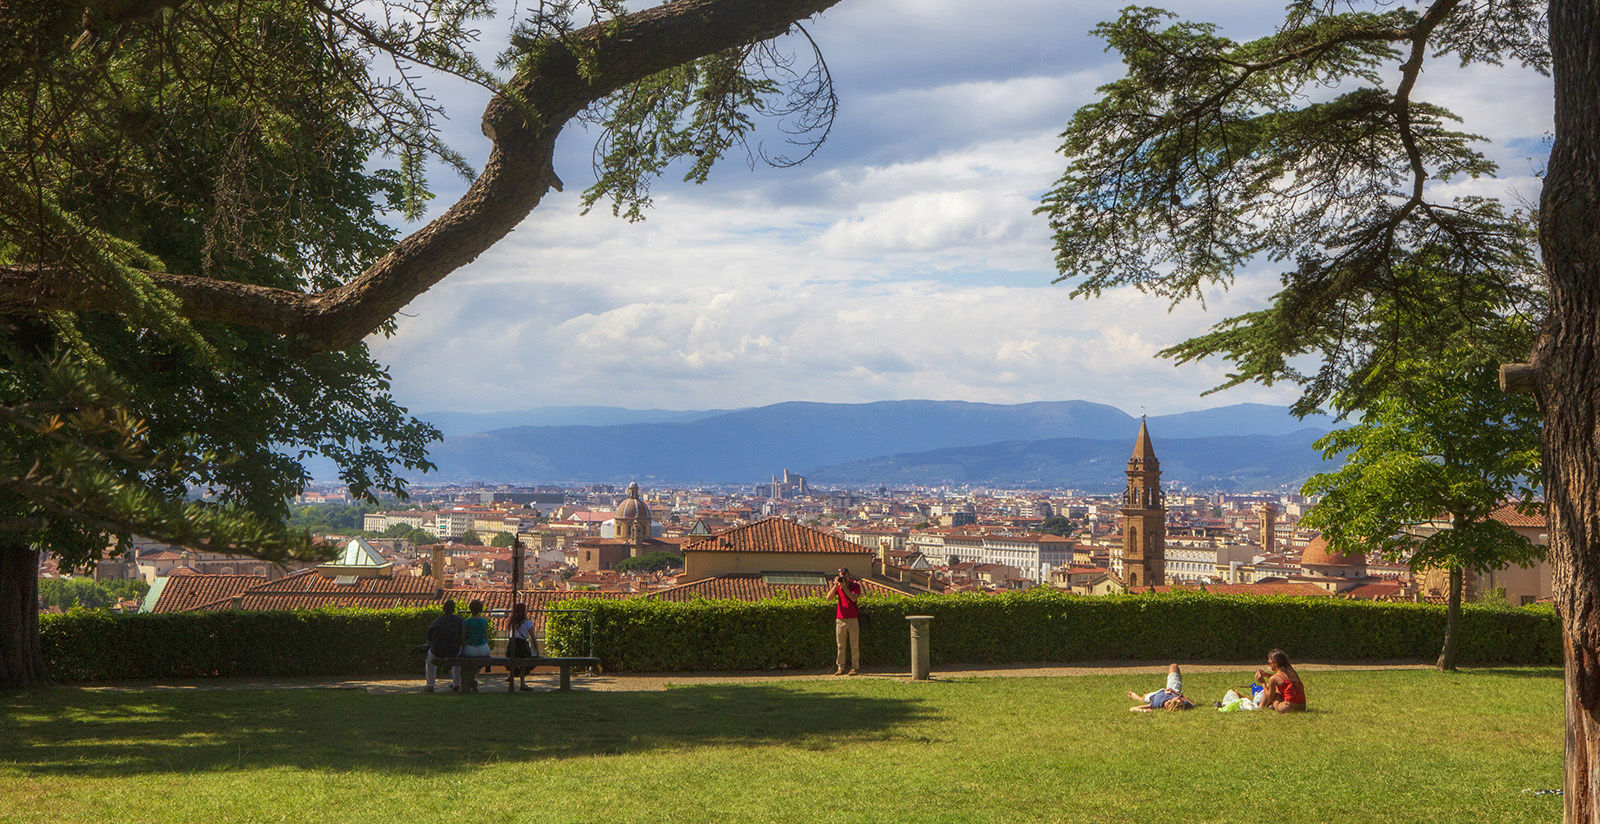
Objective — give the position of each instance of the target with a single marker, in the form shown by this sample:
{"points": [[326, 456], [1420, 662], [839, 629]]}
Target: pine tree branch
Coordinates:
{"points": [[559, 79]]}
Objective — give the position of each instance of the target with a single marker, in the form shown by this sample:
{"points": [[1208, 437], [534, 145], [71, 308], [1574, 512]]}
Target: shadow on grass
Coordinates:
{"points": [[1517, 672], [73, 732]]}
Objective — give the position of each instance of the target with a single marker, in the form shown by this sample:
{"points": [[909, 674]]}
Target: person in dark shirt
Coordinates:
{"points": [[445, 635]]}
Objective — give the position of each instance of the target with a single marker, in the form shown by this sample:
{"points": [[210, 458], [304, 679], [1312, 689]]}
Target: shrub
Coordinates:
{"points": [[100, 646], [1039, 626], [1043, 626]]}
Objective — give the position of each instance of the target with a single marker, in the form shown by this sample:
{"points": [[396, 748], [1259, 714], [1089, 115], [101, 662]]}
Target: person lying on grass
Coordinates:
{"points": [[1167, 698], [1283, 691]]}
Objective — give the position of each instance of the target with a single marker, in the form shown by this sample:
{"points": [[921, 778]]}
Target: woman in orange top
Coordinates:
{"points": [[1284, 692]]}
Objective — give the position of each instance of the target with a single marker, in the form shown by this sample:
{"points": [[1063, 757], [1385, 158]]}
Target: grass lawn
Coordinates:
{"points": [[1391, 745]]}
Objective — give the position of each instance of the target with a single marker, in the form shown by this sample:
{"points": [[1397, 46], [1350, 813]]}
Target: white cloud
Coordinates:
{"points": [[904, 261]]}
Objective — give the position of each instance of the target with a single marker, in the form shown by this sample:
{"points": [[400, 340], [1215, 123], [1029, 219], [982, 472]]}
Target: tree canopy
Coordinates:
{"points": [[193, 241], [1306, 148], [1433, 455], [659, 561], [1058, 525]]}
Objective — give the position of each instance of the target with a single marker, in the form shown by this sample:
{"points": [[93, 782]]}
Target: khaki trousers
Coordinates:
{"points": [[847, 631]]}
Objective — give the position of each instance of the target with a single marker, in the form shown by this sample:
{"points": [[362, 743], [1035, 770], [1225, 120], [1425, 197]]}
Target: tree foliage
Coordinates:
{"points": [[1306, 149], [1443, 445], [1058, 525], [193, 201], [503, 540], [660, 561], [1433, 455], [329, 518], [223, 142], [87, 593]]}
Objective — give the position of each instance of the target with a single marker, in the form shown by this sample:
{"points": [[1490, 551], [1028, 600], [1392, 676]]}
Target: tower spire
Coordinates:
{"points": [[1144, 517], [1144, 454]]}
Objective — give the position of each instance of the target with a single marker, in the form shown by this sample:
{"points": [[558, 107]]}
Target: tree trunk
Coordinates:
{"points": [[1452, 622], [21, 661], [1568, 360]]}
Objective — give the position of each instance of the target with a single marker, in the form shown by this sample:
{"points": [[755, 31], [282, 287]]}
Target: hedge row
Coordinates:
{"points": [[101, 646], [1039, 626], [1042, 626]]}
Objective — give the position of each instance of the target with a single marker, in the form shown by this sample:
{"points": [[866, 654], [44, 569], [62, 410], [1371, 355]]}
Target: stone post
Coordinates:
{"points": [[919, 645]]}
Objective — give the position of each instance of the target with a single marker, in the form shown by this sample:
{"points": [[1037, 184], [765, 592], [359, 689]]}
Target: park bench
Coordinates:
{"points": [[566, 663]]}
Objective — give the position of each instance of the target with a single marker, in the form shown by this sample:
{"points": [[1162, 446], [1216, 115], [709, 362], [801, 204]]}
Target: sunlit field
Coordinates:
{"points": [[1378, 746]]}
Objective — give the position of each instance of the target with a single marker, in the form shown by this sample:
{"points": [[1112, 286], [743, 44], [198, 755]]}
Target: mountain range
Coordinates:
{"points": [[1075, 444]]}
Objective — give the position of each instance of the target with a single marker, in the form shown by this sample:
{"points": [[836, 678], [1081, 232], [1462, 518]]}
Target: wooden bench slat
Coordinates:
{"points": [[565, 663]]}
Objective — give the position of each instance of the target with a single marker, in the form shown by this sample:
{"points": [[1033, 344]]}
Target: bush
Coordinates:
{"points": [[101, 646], [1045, 626], [641, 635]]}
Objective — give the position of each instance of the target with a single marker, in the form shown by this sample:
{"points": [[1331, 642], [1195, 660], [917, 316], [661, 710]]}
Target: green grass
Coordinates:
{"points": [[1393, 745]]}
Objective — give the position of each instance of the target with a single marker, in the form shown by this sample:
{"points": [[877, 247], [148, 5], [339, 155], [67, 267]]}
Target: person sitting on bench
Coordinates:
{"points": [[444, 641], [476, 641]]}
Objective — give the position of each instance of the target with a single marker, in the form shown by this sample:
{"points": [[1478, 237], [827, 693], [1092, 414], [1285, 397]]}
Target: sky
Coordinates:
{"points": [[902, 261]]}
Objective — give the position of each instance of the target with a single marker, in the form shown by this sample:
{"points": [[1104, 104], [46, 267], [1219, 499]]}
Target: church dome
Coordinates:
{"points": [[1317, 554], [631, 508]]}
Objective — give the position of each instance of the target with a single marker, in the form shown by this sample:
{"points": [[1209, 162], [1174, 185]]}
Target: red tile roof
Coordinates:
{"points": [[1375, 591], [750, 587], [185, 592], [307, 589], [775, 535], [536, 599], [1287, 588], [1509, 515]]}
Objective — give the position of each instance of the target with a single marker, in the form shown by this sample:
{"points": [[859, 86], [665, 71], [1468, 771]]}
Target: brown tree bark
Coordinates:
{"points": [[1452, 623], [21, 661], [1568, 361]]}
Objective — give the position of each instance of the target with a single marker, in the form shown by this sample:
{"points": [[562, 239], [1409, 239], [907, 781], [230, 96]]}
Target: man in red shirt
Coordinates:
{"points": [[846, 624]]}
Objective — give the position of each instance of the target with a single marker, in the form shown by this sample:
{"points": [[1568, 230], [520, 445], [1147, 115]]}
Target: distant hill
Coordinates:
{"points": [[1238, 419], [748, 445], [466, 423], [1225, 463]]}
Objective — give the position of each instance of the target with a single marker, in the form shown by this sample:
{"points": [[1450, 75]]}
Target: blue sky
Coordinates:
{"points": [[902, 261]]}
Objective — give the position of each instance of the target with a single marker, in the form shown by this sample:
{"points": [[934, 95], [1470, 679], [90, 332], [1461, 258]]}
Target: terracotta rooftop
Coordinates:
{"points": [[307, 589], [1317, 553], [1382, 589], [538, 600], [751, 587], [1509, 515], [775, 535], [185, 592], [1287, 588]]}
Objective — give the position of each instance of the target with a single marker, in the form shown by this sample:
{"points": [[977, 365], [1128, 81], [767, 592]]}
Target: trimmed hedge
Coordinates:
{"points": [[640, 635], [1041, 626], [102, 646]]}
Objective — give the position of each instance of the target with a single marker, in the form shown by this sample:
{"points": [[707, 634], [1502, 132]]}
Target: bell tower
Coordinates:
{"points": [[1144, 517]]}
